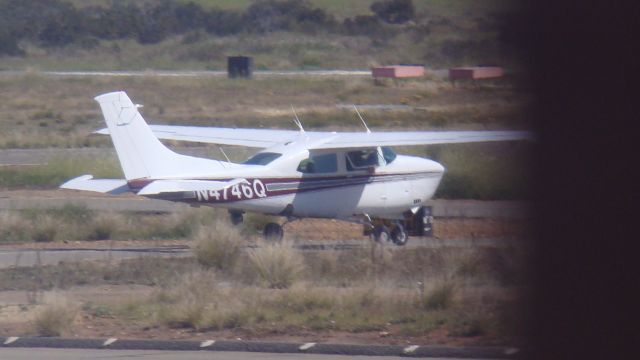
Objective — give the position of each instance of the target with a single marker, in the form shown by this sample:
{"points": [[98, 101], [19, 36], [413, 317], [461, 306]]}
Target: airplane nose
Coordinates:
{"points": [[433, 166]]}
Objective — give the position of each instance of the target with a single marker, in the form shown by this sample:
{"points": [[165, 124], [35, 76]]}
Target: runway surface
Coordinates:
{"points": [[114, 347], [211, 73], [81, 354], [52, 199], [194, 74], [78, 354], [17, 257]]}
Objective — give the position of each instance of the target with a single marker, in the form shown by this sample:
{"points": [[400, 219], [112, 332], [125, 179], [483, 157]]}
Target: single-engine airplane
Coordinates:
{"points": [[352, 176]]}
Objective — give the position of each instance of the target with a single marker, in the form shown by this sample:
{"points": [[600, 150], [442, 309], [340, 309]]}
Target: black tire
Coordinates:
{"points": [[273, 232], [399, 235], [236, 218], [381, 233]]}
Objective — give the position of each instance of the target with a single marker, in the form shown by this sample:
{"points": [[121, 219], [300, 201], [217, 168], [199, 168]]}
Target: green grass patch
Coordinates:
{"points": [[58, 170]]}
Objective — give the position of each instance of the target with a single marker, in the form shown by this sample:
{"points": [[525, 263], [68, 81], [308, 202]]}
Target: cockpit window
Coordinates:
{"points": [[362, 159], [388, 154], [262, 158], [318, 164]]}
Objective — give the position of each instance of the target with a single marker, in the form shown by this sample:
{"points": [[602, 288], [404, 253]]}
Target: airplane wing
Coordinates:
{"points": [[264, 138], [258, 138], [410, 138]]}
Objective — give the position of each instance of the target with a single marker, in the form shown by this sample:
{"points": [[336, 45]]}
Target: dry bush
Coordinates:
{"points": [[194, 301], [218, 246], [440, 297], [13, 228], [104, 226], [55, 317], [184, 302], [276, 266]]}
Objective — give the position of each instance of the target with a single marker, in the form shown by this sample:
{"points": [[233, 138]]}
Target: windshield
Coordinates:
{"points": [[388, 154], [262, 158]]}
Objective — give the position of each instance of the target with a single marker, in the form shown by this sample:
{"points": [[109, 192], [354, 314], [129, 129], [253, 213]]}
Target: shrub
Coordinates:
{"points": [[46, 233], [218, 246], [394, 11], [186, 301], [441, 297], [104, 226], [54, 318], [277, 266], [44, 228]]}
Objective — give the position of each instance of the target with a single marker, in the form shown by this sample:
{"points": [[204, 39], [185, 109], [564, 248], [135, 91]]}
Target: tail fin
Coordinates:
{"points": [[141, 154]]}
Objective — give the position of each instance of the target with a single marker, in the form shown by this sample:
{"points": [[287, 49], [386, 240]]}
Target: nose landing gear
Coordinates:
{"points": [[399, 235]]}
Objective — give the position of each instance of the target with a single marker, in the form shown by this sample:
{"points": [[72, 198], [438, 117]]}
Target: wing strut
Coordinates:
{"points": [[362, 119], [296, 120]]}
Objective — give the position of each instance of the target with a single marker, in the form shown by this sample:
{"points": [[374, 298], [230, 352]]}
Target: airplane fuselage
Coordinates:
{"points": [[384, 191]]}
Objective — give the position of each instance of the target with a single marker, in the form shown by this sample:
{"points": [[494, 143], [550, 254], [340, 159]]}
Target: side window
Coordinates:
{"points": [[362, 159], [318, 164]]}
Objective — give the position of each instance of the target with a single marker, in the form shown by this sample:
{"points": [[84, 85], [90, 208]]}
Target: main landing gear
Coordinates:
{"points": [[271, 232], [384, 231]]}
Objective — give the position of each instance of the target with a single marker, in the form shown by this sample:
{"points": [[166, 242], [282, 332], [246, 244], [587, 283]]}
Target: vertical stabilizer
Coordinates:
{"points": [[141, 154]]}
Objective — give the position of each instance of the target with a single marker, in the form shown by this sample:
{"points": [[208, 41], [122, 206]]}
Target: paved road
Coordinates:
{"points": [[12, 257], [81, 354], [20, 200], [195, 74], [241, 349], [441, 73]]}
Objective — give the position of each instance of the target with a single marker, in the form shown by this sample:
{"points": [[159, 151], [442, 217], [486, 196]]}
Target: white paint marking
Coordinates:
{"points": [[10, 340], [511, 351], [411, 349], [306, 346], [109, 341], [207, 343]]}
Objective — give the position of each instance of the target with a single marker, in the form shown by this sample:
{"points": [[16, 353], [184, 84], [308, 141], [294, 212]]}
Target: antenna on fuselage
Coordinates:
{"points": [[225, 155], [361, 119], [296, 120]]}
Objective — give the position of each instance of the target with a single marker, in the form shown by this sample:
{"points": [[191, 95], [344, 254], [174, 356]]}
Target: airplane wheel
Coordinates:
{"points": [[236, 217], [273, 232], [381, 233], [399, 235]]}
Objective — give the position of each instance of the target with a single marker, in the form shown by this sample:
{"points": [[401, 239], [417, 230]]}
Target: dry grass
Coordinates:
{"points": [[461, 292], [73, 222], [218, 246], [55, 317], [197, 301], [440, 297], [41, 111], [275, 266], [183, 303]]}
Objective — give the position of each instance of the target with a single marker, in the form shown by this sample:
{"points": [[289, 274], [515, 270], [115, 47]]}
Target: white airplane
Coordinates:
{"points": [[352, 176]]}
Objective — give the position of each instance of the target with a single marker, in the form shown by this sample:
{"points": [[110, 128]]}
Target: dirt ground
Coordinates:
{"points": [[327, 230], [16, 319], [17, 308]]}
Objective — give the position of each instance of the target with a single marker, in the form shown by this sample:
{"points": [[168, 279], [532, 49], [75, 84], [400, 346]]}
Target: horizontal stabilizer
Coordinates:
{"points": [[88, 183], [171, 186]]}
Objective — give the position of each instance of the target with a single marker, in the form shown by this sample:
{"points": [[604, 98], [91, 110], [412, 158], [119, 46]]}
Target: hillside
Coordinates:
{"points": [[291, 34]]}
